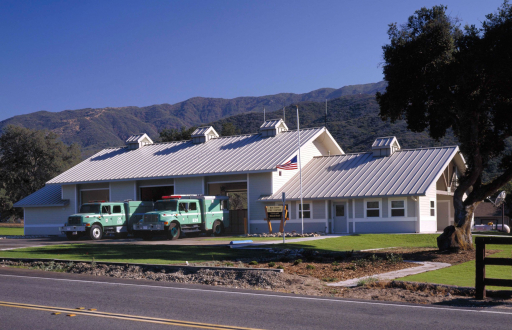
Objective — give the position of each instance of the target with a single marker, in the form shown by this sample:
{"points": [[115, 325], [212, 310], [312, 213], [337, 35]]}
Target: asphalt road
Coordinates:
{"points": [[28, 298]]}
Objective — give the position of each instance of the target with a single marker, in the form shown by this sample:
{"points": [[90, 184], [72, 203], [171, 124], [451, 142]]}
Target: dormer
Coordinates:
{"points": [[273, 127], [138, 140], [385, 146], [204, 134]]}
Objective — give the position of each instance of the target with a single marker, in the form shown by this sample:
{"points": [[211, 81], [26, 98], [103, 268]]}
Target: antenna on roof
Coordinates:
{"points": [[264, 114], [325, 113], [284, 113]]}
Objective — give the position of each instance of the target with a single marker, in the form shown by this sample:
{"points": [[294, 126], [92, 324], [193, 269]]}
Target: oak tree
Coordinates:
{"points": [[442, 77]]}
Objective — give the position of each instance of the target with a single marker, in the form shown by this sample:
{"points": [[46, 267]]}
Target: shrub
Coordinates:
{"points": [[310, 267], [229, 264], [394, 258], [280, 267], [373, 258], [271, 264], [254, 262], [360, 263], [366, 281], [298, 261], [335, 263]]}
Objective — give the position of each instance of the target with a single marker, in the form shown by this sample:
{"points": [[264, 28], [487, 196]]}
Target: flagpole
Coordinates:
{"points": [[300, 176]]}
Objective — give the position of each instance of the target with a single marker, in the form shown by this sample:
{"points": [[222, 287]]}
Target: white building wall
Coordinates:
{"points": [[193, 185], [47, 220], [121, 191], [428, 223]]}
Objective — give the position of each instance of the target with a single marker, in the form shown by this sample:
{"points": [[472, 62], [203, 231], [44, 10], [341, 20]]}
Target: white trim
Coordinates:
{"points": [[404, 199], [365, 201], [77, 194], [383, 220], [25, 221], [353, 209], [248, 206], [291, 221], [434, 208], [346, 211]]}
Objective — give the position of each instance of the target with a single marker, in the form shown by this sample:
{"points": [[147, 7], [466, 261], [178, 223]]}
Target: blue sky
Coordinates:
{"points": [[61, 55]]}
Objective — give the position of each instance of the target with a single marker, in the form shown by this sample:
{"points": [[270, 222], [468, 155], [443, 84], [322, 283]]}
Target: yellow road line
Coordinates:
{"points": [[124, 317]]}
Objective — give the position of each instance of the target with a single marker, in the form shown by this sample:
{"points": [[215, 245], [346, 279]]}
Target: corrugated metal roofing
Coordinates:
{"points": [[405, 173], [49, 195], [272, 123], [231, 154], [384, 142]]}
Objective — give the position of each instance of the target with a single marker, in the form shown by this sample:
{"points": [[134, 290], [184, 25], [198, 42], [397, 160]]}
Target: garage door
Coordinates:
{"points": [[155, 193]]}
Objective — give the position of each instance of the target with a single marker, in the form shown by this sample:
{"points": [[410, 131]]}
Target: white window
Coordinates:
{"points": [[307, 211], [397, 208], [432, 208], [372, 209]]}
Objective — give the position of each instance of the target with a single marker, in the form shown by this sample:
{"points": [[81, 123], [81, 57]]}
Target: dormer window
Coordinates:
{"points": [[138, 140], [204, 134], [385, 146], [273, 127]]}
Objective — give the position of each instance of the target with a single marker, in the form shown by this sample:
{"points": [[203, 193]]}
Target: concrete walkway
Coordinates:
{"points": [[425, 266], [288, 240]]}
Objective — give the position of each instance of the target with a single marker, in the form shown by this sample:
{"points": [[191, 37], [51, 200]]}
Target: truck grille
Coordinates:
{"points": [[74, 220], [150, 217]]}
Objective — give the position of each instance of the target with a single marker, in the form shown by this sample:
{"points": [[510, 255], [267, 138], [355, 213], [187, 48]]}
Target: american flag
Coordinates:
{"points": [[290, 165]]}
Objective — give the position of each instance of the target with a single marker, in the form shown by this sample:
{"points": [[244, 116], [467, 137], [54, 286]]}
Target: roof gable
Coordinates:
{"points": [[49, 195]]}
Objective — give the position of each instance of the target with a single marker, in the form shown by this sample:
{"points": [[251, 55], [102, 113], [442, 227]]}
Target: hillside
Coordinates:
{"points": [[352, 120], [95, 129]]}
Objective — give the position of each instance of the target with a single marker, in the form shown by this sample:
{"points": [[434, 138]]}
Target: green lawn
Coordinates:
{"points": [[152, 254], [464, 274], [366, 241], [11, 231]]}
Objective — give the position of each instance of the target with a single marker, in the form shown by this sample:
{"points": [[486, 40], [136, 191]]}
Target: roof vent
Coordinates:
{"points": [[138, 140], [273, 127], [385, 146], [204, 134]]}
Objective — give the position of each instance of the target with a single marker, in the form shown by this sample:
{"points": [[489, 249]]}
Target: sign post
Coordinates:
{"points": [[284, 215]]}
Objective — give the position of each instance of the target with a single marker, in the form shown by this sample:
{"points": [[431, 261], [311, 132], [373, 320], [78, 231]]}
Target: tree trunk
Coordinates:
{"points": [[458, 237]]}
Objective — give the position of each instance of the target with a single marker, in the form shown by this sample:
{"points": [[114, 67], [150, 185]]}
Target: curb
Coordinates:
{"points": [[170, 267]]}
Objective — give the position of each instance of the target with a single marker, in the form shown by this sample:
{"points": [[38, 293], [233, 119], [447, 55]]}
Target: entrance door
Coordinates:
{"points": [[443, 214], [340, 218]]}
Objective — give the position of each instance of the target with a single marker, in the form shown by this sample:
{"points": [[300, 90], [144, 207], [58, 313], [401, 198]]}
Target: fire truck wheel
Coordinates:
{"points": [[174, 231], [72, 237], [218, 228], [96, 232]]}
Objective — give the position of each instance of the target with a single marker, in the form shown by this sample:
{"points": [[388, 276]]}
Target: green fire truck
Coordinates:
{"points": [[175, 214], [99, 218]]}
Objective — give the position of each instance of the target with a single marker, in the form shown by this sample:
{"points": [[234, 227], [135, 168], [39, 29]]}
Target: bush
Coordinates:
{"points": [[360, 263], [394, 258], [310, 267], [366, 281], [254, 262], [280, 267], [335, 263], [298, 261], [229, 264], [373, 258], [271, 264]]}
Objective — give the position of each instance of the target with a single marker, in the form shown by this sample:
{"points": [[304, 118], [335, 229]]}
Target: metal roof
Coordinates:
{"points": [[202, 131], [231, 154], [49, 195], [272, 124], [405, 173], [384, 142]]}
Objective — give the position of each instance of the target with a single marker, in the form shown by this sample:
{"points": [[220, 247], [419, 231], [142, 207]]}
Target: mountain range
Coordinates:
{"points": [[352, 118]]}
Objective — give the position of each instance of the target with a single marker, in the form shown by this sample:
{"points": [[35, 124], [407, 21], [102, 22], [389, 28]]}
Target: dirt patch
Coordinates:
{"points": [[11, 225]]}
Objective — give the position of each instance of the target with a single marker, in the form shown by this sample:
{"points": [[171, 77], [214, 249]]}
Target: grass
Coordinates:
{"points": [[151, 254], [10, 231], [494, 232], [366, 241], [464, 274]]}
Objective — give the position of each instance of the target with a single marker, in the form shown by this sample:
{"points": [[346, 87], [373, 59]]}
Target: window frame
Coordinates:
{"points": [[433, 208], [379, 200], [390, 209], [310, 210]]}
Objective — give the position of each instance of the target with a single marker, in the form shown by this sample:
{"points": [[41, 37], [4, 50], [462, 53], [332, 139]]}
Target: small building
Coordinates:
{"points": [[388, 189], [486, 212]]}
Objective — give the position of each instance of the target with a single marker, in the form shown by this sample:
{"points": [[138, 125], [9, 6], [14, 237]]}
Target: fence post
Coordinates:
{"points": [[480, 268]]}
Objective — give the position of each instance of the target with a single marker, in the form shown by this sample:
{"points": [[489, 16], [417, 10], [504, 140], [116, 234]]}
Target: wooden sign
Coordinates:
{"points": [[274, 212]]}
